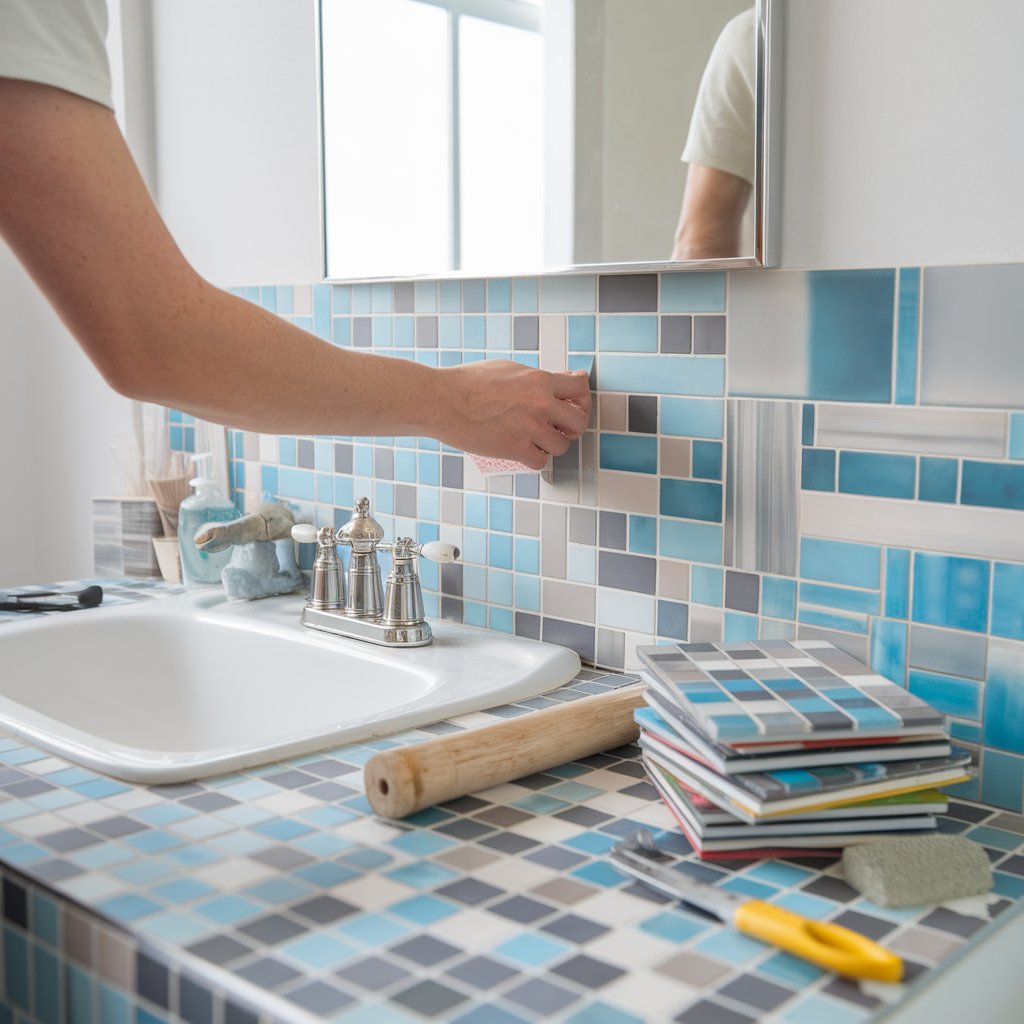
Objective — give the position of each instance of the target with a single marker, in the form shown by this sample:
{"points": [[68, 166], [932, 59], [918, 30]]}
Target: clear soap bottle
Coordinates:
{"points": [[207, 505]]}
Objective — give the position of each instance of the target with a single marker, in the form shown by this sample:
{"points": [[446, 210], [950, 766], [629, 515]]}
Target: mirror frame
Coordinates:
{"points": [[767, 162]]}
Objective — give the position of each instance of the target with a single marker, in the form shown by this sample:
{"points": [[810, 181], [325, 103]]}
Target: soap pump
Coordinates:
{"points": [[207, 505]]}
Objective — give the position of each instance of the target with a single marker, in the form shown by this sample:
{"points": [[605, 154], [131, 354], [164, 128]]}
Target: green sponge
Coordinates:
{"points": [[914, 870]]}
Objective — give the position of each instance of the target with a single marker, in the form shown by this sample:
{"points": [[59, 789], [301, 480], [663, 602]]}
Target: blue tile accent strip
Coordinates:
{"points": [[672, 375], [907, 321], [951, 591], [629, 452], [883, 476], [691, 499], [993, 484], [693, 417], [1008, 600], [897, 583], [937, 480], [960, 697], [833, 561], [627, 333], [889, 649], [693, 293], [818, 469]]}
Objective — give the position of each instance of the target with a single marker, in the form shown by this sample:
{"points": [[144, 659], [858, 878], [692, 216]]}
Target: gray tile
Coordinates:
{"points": [[950, 652], [330, 792], [234, 1014], [574, 635], [208, 801], [583, 526], [152, 980], [527, 485], [850, 992], [709, 1012], [541, 996], [526, 333], [613, 530], [28, 788], [480, 972], [628, 293], [676, 334], [117, 826], [587, 971], [195, 1002], [469, 891], [762, 486], [627, 572], [267, 973], [474, 296], [709, 335], [556, 857], [384, 463], [362, 332], [464, 829], [272, 929], [426, 332], [69, 839], [323, 909], [373, 973], [425, 950], [611, 648], [756, 992], [219, 949], [528, 625], [552, 534], [830, 889], [318, 997], [643, 414], [694, 969], [949, 921], [574, 928], [343, 459], [509, 843], [742, 591], [304, 457], [522, 909], [451, 471], [866, 924], [284, 858], [405, 297], [452, 578], [429, 998]]}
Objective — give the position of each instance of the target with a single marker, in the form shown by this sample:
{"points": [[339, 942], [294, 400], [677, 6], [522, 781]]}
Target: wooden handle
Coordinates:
{"points": [[404, 780]]}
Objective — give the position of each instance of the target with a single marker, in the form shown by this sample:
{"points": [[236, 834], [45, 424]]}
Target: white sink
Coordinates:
{"points": [[188, 686]]}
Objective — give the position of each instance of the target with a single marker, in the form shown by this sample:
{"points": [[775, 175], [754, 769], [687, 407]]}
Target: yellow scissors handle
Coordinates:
{"points": [[828, 945]]}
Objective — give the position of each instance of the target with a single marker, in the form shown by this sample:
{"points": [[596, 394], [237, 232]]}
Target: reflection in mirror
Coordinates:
{"points": [[494, 137]]}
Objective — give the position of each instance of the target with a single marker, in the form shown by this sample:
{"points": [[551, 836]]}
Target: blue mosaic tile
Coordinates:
{"points": [[1004, 697], [1008, 600], [778, 597], [833, 561], [693, 293], [695, 542], [627, 333], [951, 591], [842, 598], [937, 480], [731, 947], [629, 453], [707, 460], [653, 375], [871, 473], [992, 484], [818, 469], [691, 499], [532, 950], [953, 696]]}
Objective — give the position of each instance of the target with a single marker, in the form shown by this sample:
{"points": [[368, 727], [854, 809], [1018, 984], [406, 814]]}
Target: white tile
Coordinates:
{"points": [[958, 530], [912, 429], [475, 929], [623, 610]]}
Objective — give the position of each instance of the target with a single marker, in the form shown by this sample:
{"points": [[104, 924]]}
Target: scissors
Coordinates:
{"points": [[828, 945]]}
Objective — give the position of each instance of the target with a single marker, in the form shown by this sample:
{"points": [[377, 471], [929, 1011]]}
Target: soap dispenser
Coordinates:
{"points": [[207, 505]]}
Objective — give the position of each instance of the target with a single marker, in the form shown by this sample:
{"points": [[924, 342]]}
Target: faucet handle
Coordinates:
{"points": [[327, 590], [438, 551]]}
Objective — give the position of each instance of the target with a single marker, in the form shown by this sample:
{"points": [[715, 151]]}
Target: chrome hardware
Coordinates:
{"points": [[392, 619]]}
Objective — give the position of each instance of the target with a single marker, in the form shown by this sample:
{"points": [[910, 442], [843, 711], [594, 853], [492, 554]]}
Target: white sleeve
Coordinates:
{"points": [[57, 42], [722, 127]]}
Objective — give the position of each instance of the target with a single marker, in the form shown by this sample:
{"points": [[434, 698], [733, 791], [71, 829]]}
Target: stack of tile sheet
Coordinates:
{"points": [[776, 747]]}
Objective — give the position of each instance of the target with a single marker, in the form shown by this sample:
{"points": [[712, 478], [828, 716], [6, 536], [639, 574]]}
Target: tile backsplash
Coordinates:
{"points": [[834, 454]]}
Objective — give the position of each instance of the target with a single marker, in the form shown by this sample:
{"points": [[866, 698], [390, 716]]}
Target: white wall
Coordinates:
{"points": [[902, 133]]}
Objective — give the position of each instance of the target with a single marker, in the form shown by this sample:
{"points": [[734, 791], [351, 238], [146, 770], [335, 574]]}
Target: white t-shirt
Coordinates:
{"points": [[57, 42], [722, 127]]}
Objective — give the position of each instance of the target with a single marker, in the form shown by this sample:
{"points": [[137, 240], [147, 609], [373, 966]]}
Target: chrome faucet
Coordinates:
{"points": [[391, 616]]}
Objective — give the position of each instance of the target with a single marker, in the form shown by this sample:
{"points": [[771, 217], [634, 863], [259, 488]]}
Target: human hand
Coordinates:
{"points": [[505, 410]]}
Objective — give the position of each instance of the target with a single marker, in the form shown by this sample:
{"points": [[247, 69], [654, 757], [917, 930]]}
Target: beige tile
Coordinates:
{"points": [[705, 623], [613, 411], [553, 539], [627, 492], [588, 468], [568, 600], [673, 579], [694, 969], [466, 858], [77, 937], [115, 959], [675, 455], [553, 355], [527, 518], [451, 507], [563, 890]]}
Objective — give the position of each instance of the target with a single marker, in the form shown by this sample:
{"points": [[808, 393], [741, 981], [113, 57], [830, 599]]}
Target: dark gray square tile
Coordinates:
{"points": [[319, 997], [582, 525], [405, 296], [755, 992], [384, 463], [234, 1014], [742, 591], [330, 792], [831, 889], [527, 485], [522, 909], [613, 530], [69, 839], [509, 843], [429, 998], [343, 459], [526, 333], [709, 335], [708, 1012], [272, 929], [627, 572], [587, 971], [872, 927], [56, 870], [451, 578], [474, 296], [373, 973], [152, 980], [268, 973], [528, 625], [643, 414], [285, 858], [219, 949], [28, 788], [470, 891], [574, 635], [949, 921], [850, 992], [556, 857], [628, 293], [676, 335], [195, 1002], [451, 471], [116, 827], [587, 817], [209, 802], [452, 609], [425, 950], [574, 928], [290, 778], [481, 972], [323, 909]]}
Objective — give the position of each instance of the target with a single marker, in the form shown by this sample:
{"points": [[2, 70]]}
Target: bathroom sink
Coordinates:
{"points": [[192, 685]]}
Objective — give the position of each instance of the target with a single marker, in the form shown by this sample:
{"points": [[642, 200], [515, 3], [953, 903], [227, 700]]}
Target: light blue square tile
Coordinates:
{"points": [[524, 294], [474, 331], [114, 1006], [499, 295], [322, 311], [576, 294], [707, 460], [532, 950], [341, 299], [818, 469], [950, 591], [695, 542], [527, 593], [693, 292], [361, 298], [500, 619], [499, 551], [1004, 696], [423, 910], [674, 925], [692, 417], [381, 297], [500, 514], [475, 510], [907, 324], [1016, 435], [499, 332], [474, 547], [499, 587], [739, 626], [373, 930], [582, 333], [643, 535], [1002, 780], [527, 554], [425, 297], [730, 946], [661, 375], [286, 451], [474, 582], [952, 696], [450, 296], [833, 561], [706, 585], [889, 649], [1008, 600], [778, 597], [897, 583], [627, 333]]}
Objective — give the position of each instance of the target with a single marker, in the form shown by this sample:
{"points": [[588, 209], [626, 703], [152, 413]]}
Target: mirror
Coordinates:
{"points": [[503, 137]]}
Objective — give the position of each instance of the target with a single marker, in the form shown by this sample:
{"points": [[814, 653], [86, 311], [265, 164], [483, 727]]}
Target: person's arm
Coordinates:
{"points": [[712, 214], [77, 214]]}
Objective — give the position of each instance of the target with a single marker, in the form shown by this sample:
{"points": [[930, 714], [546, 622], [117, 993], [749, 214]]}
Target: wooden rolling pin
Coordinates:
{"points": [[404, 780]]}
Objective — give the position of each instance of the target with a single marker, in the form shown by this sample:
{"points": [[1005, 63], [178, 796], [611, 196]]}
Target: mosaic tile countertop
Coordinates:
{"points": [[274, 894]]}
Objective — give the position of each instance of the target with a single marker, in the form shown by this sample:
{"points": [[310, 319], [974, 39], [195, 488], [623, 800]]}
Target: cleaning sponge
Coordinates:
{"points": [[914, 870]]}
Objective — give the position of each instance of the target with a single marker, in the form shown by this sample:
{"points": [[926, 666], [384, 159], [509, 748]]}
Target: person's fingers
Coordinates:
{"points": [[570, 418], [574, 384], [552, 440], [534, 458]]}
